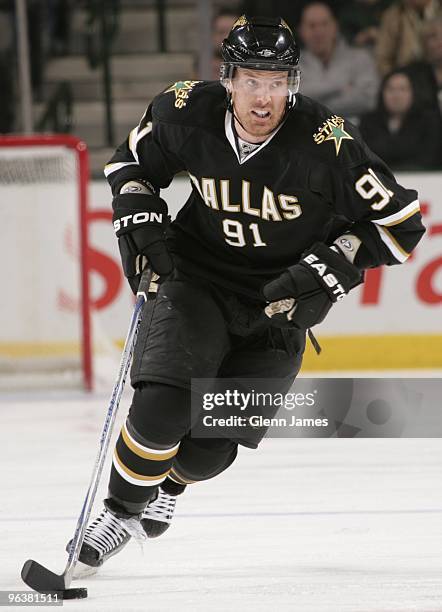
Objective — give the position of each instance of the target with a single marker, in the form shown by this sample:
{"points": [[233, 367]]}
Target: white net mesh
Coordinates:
{"points": [[41, 330]]}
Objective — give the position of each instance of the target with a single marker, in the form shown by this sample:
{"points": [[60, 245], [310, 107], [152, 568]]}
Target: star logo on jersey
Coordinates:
{"points": [[332, 129], [182, 90], [338, 134]]}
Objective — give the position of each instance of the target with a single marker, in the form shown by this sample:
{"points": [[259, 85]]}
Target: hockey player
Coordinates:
{"points": [[287, 203]]}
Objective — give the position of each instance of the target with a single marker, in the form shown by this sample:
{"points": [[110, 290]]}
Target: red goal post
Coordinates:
{"points": [[44, 185]]}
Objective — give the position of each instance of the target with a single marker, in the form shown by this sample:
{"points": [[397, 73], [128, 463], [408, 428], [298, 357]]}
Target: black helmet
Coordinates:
{"points": [[261, 43]]}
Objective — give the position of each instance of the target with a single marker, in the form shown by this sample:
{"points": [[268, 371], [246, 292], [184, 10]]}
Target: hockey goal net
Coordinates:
{"points": [[45, 330]]}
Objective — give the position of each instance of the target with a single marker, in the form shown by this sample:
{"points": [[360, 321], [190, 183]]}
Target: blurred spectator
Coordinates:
{"points": [[427, 74], [222, 24], [290, 10], [399, 40], [403, 135], [359, 21], [332, 72]]}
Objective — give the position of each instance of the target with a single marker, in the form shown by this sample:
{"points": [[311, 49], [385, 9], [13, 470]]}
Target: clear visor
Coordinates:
{"points": [[261, 81]]}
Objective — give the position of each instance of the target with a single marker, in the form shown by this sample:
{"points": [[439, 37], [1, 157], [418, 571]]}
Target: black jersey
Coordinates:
{"points": [[247, 220]]}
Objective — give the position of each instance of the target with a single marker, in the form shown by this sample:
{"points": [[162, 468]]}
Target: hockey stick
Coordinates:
{"points": [[36, 575]]}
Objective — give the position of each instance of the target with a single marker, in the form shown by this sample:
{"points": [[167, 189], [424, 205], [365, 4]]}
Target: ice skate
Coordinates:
{"points": [[104, 537], [158, 514]]}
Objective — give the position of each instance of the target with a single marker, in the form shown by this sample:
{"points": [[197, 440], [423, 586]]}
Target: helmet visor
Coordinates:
{"points": [[256, 79]]}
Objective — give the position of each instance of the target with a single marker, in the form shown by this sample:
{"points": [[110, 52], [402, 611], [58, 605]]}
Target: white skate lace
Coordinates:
{"points": [[162, 508], [135, 529], [105, 533]]}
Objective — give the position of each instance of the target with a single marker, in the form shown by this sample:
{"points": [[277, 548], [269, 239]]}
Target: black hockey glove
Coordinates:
{"points": [[307, 290], [140, 221]]}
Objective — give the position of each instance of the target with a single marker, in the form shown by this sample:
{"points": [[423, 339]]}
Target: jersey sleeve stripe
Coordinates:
{"points": [[135, 137], [133, 143], [393, 245], [195, 182], [146, 130], [144, 116], [396, 218], [109, 168]]}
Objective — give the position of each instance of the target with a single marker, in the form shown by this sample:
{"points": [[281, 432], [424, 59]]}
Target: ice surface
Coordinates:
{"points": [[298, 525]]}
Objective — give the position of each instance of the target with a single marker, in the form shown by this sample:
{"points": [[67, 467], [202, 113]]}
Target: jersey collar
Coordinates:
{"points": [[230, 135]]}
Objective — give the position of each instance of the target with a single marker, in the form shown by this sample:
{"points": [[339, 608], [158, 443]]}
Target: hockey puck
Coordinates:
{"points": [[79, 593]]}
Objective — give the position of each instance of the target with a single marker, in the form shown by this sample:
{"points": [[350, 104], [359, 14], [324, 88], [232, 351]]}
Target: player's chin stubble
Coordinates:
{"points": [[257, 129], [243, 111]]}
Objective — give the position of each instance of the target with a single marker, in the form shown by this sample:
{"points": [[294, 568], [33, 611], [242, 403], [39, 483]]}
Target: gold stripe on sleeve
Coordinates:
{"points": [[402, 219], [395, 242]]}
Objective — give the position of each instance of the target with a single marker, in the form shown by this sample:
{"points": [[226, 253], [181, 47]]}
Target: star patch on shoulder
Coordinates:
{"points": [[182, 90], [332, 129]]}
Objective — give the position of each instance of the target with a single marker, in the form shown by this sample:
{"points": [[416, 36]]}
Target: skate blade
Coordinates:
{"points": [[82, 570]]}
